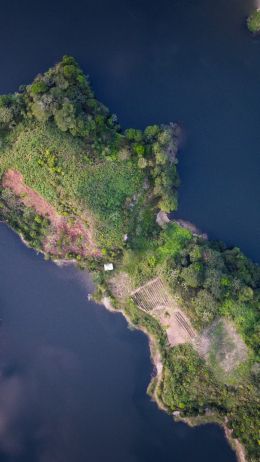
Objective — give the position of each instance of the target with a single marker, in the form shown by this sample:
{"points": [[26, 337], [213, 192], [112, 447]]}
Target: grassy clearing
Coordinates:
{"points": [[56, 165]]}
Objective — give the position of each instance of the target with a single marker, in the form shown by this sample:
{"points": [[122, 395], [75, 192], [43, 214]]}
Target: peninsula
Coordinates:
{"points": [[76, 187]]}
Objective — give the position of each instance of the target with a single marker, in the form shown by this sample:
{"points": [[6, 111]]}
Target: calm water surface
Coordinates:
{"points": [[72, 376]]}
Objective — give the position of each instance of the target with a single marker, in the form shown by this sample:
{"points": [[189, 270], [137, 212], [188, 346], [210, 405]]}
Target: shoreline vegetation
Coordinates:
{"points": [[157, 377], [77, 188], [253, 21]]}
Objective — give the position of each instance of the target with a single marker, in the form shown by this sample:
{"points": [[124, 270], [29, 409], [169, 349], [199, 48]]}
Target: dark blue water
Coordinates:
{"points": [[158, 61], [73, 378]]}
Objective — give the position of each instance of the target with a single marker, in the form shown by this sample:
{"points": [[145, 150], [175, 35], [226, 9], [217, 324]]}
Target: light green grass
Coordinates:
{"points": [[58, 167]]}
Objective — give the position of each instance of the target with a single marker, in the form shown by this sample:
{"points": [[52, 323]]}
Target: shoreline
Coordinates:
{"points": [[235, 444], [155, 357]]}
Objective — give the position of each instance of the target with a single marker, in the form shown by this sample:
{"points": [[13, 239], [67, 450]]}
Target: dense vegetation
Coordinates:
{"points": [[32, 226], [253, 21], [71, 150], [210, 281]]}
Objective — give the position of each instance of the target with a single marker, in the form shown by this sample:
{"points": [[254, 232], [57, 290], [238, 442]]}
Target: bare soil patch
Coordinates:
{"points": [[68, 234], [153, 297], [121, 285], [221, 344]]}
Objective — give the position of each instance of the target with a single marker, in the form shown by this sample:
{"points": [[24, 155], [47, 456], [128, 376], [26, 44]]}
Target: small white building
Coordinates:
{"points": [[108, 266]]}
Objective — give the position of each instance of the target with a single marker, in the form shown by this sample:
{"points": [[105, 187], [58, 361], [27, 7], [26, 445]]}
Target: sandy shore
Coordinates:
{"points": [[235, 444]]}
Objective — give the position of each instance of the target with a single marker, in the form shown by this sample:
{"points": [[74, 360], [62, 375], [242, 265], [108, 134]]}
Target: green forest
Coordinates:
{"points": [[72, 151]]}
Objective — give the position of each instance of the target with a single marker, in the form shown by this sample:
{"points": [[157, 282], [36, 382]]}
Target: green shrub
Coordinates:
{"points": [[38, 87], [253, 21]]}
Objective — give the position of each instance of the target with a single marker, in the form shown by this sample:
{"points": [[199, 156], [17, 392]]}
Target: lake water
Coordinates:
{"points": [[72, 376]]}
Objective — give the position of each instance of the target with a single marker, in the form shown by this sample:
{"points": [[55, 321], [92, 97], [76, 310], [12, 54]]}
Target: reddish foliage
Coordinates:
{"points": [[68, 235]]}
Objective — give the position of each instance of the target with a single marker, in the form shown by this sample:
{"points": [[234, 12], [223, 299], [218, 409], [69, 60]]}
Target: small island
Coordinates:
{"points": [[78, 188], [253, 21]]}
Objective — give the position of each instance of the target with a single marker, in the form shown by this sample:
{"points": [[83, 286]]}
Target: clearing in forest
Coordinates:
{"points": [[220, 344], [154, 298], [223, 349]]}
